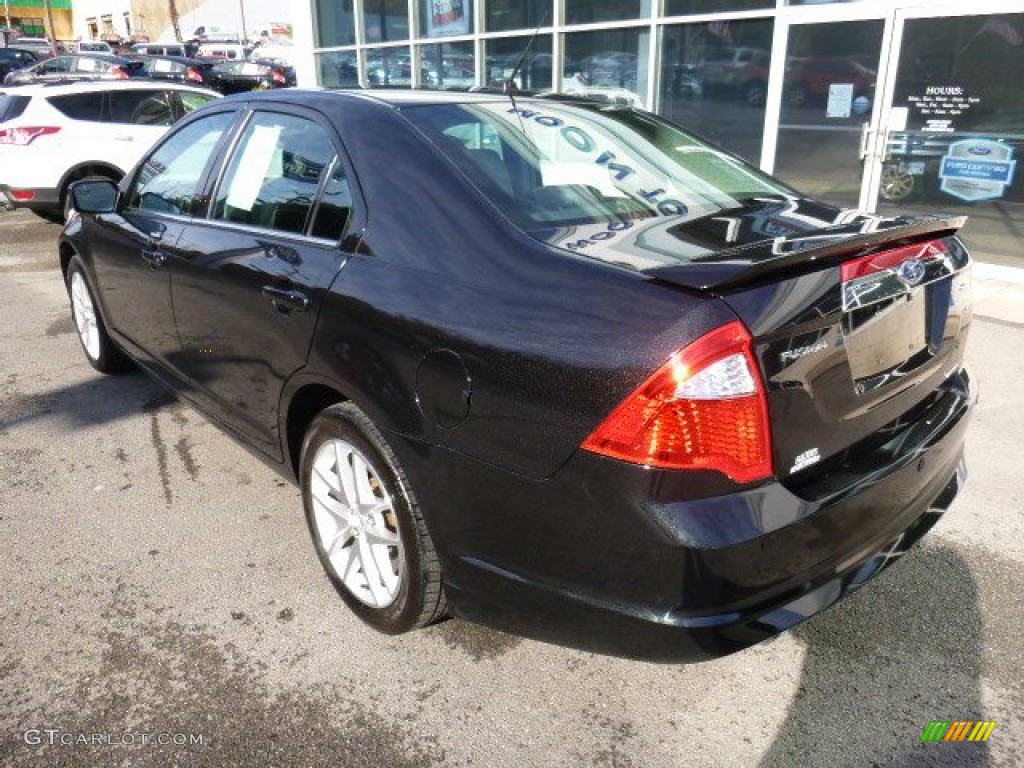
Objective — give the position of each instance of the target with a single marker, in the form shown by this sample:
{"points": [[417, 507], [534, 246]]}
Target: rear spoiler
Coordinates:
{"points": [[756, 262]]}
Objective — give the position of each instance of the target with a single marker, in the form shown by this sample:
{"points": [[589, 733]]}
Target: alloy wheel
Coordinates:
{"points": [[356, 524], [85, 316]]}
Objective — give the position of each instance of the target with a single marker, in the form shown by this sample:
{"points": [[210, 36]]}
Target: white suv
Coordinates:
{"points": [[53, 134]]}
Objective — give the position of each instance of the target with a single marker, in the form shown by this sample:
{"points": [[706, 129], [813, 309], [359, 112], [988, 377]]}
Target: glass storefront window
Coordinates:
{"points": [[448, 66], [963, 144], [607, 64], [446, 18], [338, 69], [335, 23], [714, 78], [502, 55], [592, 11], [682, 7], [389, 68], [500, 15], [385, 21]]}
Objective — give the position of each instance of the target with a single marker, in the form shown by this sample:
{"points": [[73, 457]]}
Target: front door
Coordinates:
{"points": [[828, 111], [134, 247], [953, 135]]}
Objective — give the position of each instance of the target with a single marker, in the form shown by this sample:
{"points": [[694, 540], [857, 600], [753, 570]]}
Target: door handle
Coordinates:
{"points": [[866, 132], [155, 259], [296, 300]]}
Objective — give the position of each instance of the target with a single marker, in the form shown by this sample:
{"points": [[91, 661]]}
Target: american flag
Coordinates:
{"points": [[1005, 29], [720, 29]]}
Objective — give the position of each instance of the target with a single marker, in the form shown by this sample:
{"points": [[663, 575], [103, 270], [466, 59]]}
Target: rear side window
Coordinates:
{"points": [[275, 173], [12, 106], [335, 205], [165, 66], [169, 180], [141, 107], [93, 65], [79, 106]]}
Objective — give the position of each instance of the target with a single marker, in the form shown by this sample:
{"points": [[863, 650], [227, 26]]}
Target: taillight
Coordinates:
{"points": [[703, 409], [193, 76], [26, 134], [120, 74], [888, 259], [279, 77]]}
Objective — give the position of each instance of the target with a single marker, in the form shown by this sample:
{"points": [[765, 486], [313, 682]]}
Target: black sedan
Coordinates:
{"points": [[83, 66], [555, 366], [250, 75], [178, 69], [17, 58]]}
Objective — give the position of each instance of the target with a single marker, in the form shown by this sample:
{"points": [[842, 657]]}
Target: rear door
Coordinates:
{"points": [[250, 279]]}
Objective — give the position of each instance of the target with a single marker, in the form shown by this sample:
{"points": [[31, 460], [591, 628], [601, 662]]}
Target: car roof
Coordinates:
{"points": [[89, 86], [168, 57], [393, 97]]}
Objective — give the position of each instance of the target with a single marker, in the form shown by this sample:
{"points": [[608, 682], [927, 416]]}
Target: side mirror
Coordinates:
{"points": [[93, 195]]}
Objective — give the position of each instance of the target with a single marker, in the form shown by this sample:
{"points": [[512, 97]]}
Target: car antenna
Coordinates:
{"points": [[510, 82]]}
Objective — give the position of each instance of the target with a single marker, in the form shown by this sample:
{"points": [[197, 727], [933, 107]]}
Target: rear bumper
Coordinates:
{"points": [[601, 557], [35, 198]]}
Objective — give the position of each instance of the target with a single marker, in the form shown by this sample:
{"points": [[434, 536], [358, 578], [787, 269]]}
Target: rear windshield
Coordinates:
{"points": [[12, 106], [552, 164]]}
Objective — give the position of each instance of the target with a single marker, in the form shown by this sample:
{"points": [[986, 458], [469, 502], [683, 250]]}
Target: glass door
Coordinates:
{"points": [[827, 114], [953, 127]]}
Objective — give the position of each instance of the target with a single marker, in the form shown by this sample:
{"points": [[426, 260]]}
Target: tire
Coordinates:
{"points": [[898, 185], [366, 525], [754, 94], [798, 95], [100, 350]]}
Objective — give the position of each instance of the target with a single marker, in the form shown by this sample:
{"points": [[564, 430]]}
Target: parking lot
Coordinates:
{"points": [[162, 605]]}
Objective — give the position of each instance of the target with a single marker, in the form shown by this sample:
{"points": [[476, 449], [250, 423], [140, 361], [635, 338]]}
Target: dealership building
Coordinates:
{"points": [[897, 105]]}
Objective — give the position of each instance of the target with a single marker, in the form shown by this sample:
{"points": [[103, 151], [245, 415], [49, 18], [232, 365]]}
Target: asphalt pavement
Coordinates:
{"points": [[161, 605]]}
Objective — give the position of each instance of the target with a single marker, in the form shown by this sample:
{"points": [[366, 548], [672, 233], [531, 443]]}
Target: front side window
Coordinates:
{"points": [[275, 173], [549, 165], [170, 178], [55, 66]]}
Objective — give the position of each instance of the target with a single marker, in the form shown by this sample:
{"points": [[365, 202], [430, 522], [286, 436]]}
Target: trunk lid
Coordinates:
{"points": [[854, 325], [856, 319]]}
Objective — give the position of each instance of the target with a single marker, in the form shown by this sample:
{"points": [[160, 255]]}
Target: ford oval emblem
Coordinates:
{"points": [[979, 150], [911, 271]]}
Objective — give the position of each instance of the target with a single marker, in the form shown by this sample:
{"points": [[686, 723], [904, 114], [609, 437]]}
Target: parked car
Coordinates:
{"points": [[81, 66], [555, 370], [188, 50], [16, 58], [729, 70], [809, 79], [250, 75], [39, 44], [93, 46], [52, 134], [223, 51], [180, 69]]}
